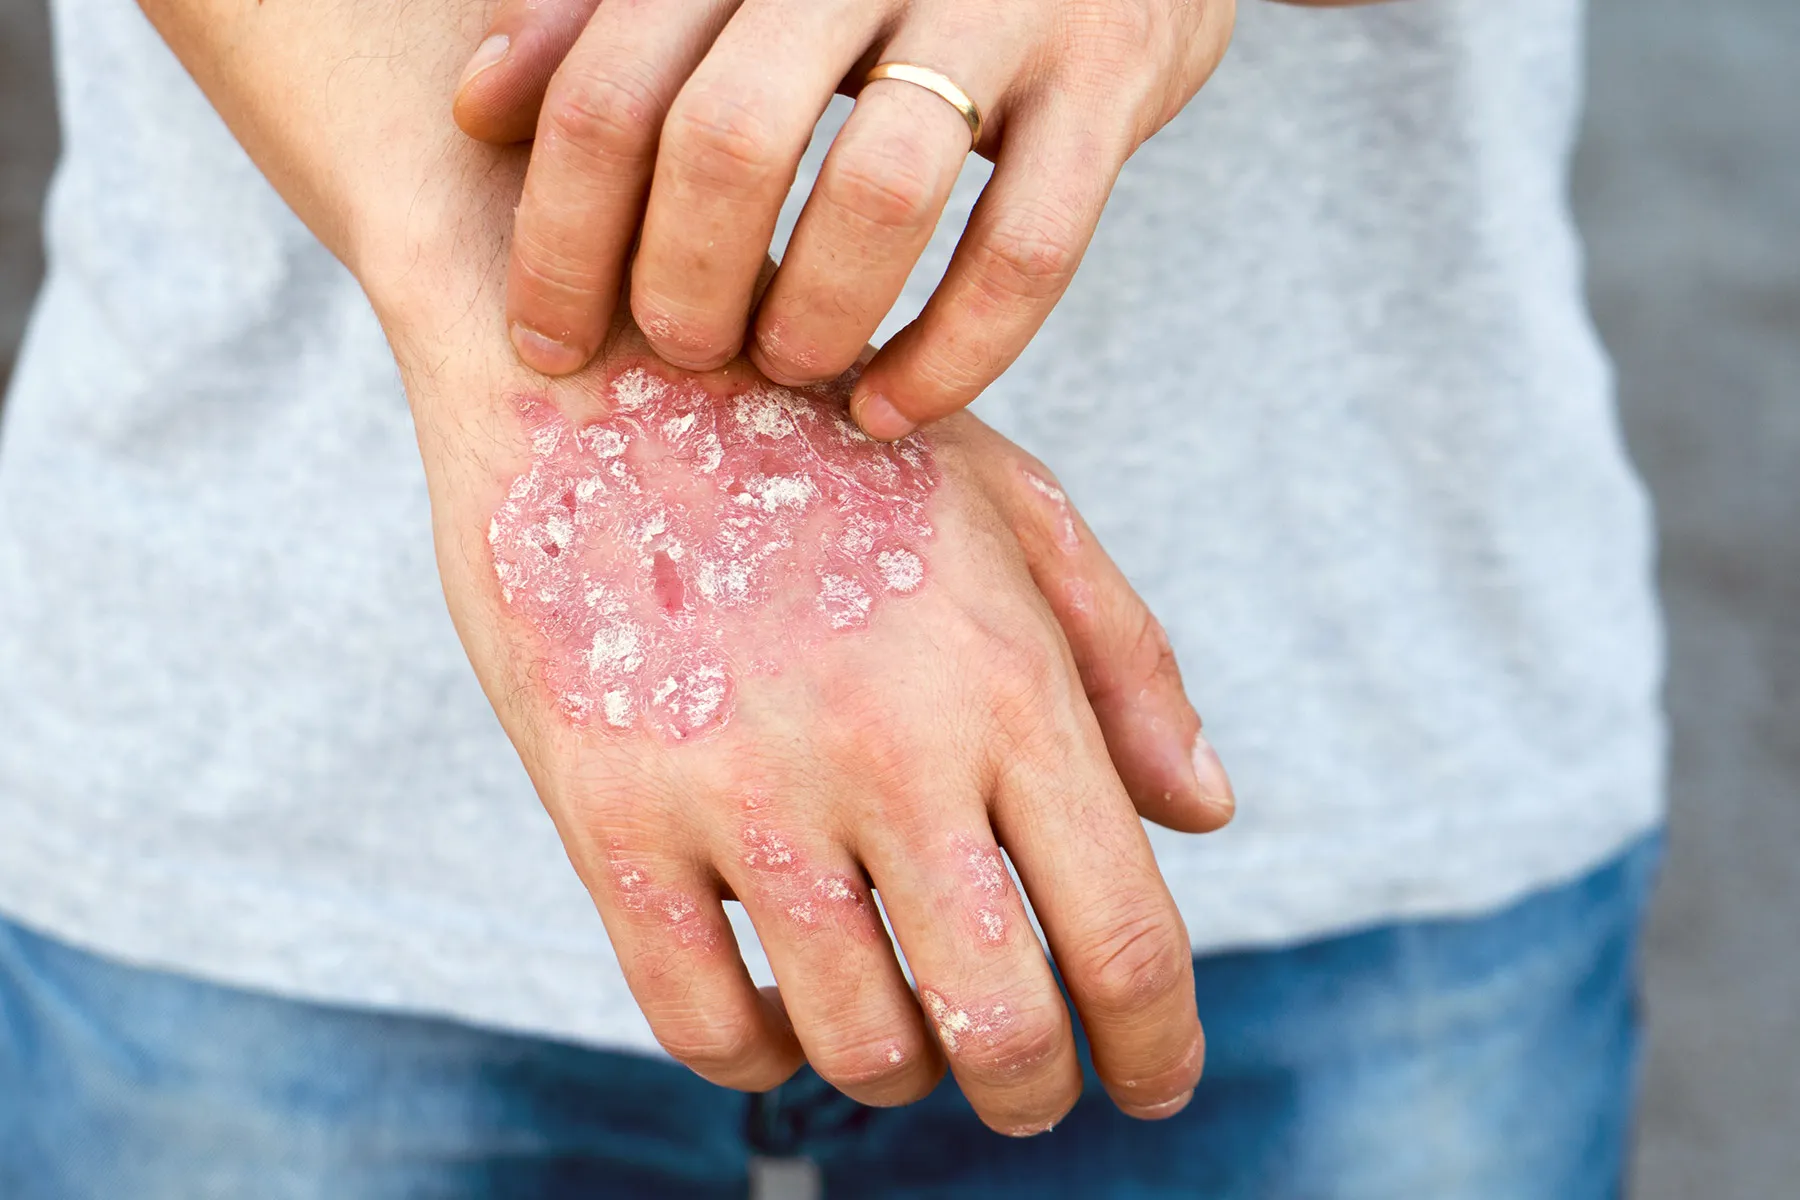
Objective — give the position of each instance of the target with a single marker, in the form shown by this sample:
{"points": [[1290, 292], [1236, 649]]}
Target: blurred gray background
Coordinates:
{"points": [[1688, 189]]}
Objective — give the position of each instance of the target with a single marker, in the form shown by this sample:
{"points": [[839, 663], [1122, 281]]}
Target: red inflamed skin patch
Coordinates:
{"points": [[698, 533]]}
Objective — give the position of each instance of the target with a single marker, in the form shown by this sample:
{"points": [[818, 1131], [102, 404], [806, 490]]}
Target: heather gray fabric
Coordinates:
{"points": [[1325, 387]]}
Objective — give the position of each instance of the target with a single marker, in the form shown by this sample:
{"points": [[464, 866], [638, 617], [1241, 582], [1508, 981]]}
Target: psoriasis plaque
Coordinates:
{"points": [[1067, 536], [785, 882], [672, 909], [663, 550], [989, 887], [962, 1029]]}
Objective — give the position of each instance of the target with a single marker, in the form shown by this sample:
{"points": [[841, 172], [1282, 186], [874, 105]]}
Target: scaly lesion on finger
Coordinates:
{"points": [[991, 901], [789, 882], [994, 1041], [1060, 512], [689, 920]]}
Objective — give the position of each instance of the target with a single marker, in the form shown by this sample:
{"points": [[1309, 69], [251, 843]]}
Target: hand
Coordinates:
{"points": [[747, 653], [707, 107], [948, 716]]}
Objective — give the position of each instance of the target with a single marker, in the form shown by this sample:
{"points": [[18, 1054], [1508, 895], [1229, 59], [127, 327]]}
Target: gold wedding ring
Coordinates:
{"points": [[937, 83]]}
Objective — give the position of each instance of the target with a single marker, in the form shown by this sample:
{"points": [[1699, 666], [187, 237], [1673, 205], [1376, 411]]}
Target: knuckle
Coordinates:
{"points": [[1149, 656], [1113, 38], [1029, 1040], [1134, 962], [717, 1046], [1144, 655], [792, 349], [1023, 674], [720, 139], [1030, 255], [887, 187], [874, 1068], [1152, 647], [611, 116]]}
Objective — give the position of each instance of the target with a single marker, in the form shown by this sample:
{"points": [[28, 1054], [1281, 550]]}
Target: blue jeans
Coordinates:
{"points": [[1483, 1058]]}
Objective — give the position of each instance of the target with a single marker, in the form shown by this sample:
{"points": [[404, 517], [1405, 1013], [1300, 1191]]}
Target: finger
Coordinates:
{"points": [[984, 983], [873, 208], [846, 996], [1119, 941], [1015, 260], [584, 189], [681, 962], [502, 88], [727, 157], [1128, 669]]}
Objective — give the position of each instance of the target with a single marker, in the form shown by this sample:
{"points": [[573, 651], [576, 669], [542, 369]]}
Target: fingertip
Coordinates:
{"points": [[1211, 782], [473, 109], [1182, 814], [1178, 786], [671, 340], [876, 415], [545, 354], [1159, 1112], [774, 369], [489, 54], [784, 360], [1129, 1095]]}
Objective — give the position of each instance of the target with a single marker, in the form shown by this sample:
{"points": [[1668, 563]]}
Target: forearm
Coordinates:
{"points": [[345, 109]]}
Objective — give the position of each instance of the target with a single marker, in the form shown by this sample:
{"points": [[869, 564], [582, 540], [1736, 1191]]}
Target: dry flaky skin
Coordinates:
{"points": [[755, 655], [989, 708], [665, 549]]}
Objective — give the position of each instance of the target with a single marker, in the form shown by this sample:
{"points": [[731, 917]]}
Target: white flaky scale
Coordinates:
{"points": [[957, 1026], [1066, 534], [901, 570], [690, 531]]}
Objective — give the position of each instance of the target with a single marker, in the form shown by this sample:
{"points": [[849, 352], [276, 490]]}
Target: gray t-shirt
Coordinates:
{"points": [[1325, 387]]}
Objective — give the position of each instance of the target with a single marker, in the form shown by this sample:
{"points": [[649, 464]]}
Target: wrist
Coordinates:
{"points": [[429, 245]]}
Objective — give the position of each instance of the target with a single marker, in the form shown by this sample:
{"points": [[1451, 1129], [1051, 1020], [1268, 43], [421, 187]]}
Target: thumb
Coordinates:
{"points": [[502, 87], [1127, 666]]}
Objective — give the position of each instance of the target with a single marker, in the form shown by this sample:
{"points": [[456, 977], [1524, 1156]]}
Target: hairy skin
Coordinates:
{"points": [[1019, 696]]}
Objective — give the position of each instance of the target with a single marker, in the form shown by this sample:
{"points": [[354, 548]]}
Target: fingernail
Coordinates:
{"points": [[879, 418], [545, 354], [1167, 1108], [486, 55], [1210, 779]]}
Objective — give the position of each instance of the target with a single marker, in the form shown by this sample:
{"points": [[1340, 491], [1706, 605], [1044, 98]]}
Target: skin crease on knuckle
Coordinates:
{"points": [[1137, 959], [885, 185], [1029, 254], [610, 118], [720, 1050], [994, 1042], [721, 143]]}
